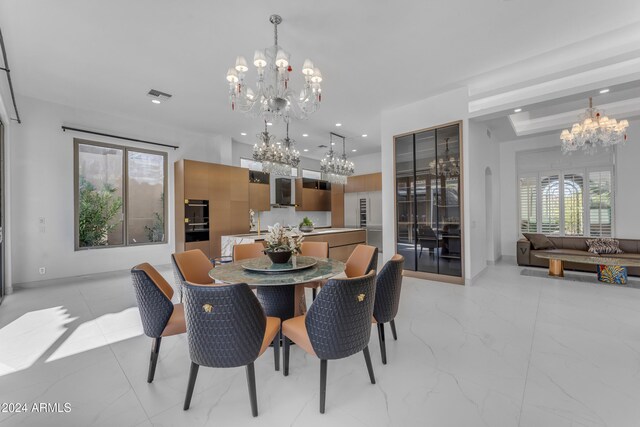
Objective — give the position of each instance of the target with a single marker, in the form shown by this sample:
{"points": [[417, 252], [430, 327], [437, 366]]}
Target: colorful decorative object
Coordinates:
{"points": [[613, 274]]}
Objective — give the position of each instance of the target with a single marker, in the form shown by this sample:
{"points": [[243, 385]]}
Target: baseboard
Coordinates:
{"points": [[495, 261]]}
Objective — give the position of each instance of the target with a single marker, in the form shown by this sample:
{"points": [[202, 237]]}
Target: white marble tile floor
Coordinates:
{"points": [[510, 350]]}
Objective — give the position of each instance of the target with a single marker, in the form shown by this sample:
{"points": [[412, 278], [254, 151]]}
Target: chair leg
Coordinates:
{"points": [[155, 349], [314, 292], [193, 373], [383, 348], [393, 330], [285, 368], [276, 349], [251, 382], [367, 359], [323, 384]]}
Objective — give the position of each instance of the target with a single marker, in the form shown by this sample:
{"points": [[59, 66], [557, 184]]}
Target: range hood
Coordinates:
{"points": [[283, 193]]}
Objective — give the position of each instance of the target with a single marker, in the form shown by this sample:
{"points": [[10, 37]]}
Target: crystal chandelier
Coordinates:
{"points": [[336, 169], [595, 130], [273, 95], [447, 165], [276, 158]]}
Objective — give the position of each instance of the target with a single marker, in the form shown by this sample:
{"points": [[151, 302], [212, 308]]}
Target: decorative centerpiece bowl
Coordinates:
{"points": [[279, 257], [282, 243], [306, 226]]}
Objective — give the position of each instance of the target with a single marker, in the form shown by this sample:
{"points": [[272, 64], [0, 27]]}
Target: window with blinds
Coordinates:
{"points": [[567, 203], [600, 214], [528, 204]]}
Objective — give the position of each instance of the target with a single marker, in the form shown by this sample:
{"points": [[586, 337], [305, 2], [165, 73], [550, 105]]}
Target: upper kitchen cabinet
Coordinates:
{"points": [[259, 191], [364, 183], [313, 195]]}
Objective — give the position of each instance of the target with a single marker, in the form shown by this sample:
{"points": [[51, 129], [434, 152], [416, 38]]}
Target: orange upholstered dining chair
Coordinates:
{"points": [[192, 266], [363, 259], [315, 249], [160, 317], [247, 250]]}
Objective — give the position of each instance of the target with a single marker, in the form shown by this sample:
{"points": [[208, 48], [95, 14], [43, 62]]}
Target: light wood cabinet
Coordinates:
{"points": [[226, 188], [259, 197], [364, 183], [337, 206], [312, 199]]}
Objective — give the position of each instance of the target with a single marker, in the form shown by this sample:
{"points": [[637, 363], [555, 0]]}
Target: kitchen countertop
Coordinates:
{"points": [[316, 232]]}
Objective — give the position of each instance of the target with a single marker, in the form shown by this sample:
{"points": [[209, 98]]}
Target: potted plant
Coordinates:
{"points": [[282, 243], [306, 225]]}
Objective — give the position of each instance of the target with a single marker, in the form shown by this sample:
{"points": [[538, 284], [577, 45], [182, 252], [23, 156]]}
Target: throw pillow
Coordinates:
{"points": [[604, 246], [539, 241]]}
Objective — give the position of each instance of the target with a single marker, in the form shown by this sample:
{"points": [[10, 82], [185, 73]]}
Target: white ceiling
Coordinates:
{"points": [[105, 55]]}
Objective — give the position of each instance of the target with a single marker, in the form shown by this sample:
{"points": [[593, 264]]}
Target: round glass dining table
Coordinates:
{"points": [[276, 290]]}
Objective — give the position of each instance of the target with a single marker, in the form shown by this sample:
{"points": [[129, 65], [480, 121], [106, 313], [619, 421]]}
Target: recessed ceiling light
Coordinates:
{"points": [[338, 124], [354, 150], [333, 143], [604, 91], [305, 135], [269, 124], [305, 150], [364, 135], [243, 133], [517, 110], [155, 101]]}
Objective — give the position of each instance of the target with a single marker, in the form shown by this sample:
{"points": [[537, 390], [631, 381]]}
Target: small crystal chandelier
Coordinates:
{"points": [[595, 130], [336, 169], [447, 165], [273, 95], [276, 158]]}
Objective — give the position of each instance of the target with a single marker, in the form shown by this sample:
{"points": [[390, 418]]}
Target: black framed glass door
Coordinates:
{"points": [[428, 202]]}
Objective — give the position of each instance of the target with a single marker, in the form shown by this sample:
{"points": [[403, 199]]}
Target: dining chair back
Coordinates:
{"points": [[363, 259], [385, 309], [192, 266], [316, 249], [227, 327], [339, 320], [247, 250], [337, 325], [159, 316]]}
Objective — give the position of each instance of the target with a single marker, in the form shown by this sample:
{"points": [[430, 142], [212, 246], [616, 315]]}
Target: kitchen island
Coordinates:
{"points": [[342, 241]]}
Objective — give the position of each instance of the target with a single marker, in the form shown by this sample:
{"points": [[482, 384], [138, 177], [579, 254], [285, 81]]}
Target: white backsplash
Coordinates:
{"points": [[289, 216]]}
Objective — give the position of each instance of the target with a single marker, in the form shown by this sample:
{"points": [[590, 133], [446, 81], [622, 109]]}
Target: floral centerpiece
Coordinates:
{"points": [[281, 243]]}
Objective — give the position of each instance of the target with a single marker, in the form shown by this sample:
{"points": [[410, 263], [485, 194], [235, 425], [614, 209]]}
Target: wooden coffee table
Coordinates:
{"points": [[610, 269]]}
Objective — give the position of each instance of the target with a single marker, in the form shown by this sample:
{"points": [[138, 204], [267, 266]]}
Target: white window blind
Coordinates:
{"points": [[550, 204], [600, 215], [573, 194], [528, 204]]}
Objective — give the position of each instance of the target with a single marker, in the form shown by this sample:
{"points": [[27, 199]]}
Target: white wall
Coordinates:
{"points": [[42, 187], [6, 112], [627, 177], [367, 163], [483, 154]]}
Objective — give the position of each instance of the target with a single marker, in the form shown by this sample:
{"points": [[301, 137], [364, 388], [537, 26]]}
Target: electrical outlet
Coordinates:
{"points": [[42, 271]]}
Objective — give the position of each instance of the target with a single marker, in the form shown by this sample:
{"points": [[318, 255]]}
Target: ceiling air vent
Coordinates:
{"points": [[322, 146], [158, 95]]}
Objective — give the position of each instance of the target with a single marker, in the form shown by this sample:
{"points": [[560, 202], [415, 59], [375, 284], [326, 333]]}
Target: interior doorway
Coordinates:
{"points": [[488, 200]]}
